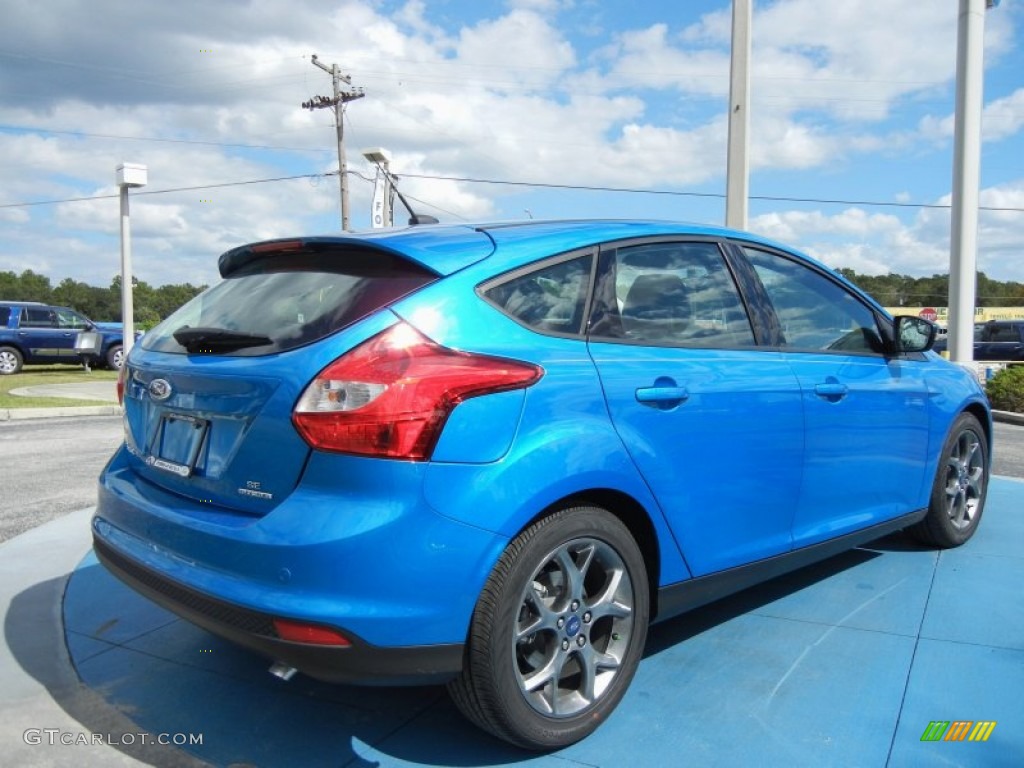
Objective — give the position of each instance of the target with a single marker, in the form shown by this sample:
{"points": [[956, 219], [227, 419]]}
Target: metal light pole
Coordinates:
{"points": [[737, 175], [128, 175], [963, 257]]}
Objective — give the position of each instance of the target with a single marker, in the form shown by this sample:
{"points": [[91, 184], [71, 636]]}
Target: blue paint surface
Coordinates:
{"points": [[844, 663]]}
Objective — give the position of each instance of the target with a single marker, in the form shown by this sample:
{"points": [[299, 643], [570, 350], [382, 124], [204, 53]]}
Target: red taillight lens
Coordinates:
{"points": [[122, 378], [391, 395], [300, 632]]}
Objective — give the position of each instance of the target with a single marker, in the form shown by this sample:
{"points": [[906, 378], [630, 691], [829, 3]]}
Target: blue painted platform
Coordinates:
{"points": [[842, 664]]}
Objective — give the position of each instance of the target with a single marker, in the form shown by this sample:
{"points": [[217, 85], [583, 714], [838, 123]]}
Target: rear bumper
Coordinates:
{"points": [[360, 662], [354, 547]]}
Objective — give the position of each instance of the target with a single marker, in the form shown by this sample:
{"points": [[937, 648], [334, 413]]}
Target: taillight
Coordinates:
{"points": [[122, 378], [391, 395]]}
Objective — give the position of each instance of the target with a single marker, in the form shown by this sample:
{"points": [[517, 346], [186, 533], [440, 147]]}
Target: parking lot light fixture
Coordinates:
{"points": [[382, 213]]}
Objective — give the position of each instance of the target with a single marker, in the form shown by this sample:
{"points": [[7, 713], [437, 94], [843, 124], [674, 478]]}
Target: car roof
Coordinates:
{"points": [[448, 248]]}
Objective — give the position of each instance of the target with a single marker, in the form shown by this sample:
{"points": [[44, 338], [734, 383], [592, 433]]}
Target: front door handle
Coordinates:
{"points": [[831, 390]]}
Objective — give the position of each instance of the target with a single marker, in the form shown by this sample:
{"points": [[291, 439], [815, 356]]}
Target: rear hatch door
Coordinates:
{"points": [[209, 393]]}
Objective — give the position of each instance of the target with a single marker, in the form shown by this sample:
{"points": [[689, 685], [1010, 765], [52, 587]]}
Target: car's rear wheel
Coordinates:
{"points": [[10, 360], [961, 482], [115, 357], [558, 631]]}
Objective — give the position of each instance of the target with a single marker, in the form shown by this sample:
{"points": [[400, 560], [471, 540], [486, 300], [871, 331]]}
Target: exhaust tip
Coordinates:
{"points": [[282, 671]]}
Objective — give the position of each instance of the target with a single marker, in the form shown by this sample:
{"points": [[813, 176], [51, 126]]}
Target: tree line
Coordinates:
{"points": [[151, 304], [905, 291], [154, 304]]}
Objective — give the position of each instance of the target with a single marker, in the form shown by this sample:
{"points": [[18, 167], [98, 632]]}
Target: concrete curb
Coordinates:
{"points": [[1008, 417], [41, 688], [18, 414]]}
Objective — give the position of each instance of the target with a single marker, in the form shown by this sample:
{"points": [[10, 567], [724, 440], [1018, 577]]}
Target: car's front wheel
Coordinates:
{"points": [[558, 631], [958, 492]]}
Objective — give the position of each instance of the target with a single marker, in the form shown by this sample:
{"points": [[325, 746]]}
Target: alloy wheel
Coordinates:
{"points": [[965, 476], [574, 627]]}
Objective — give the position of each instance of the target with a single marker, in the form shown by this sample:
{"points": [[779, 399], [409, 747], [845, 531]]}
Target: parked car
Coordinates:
{"points": [[493, 454], [995, 340], [36, 333]]}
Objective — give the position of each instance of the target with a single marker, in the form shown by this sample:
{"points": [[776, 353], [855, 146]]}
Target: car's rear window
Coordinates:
{"points": [[294, 299], [5, 316]]}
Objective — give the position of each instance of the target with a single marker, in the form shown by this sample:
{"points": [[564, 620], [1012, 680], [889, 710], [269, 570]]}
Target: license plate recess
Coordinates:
{"points": [[178, 443]]}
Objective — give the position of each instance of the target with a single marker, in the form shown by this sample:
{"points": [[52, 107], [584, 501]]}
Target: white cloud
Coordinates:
{"points": [[518, 94], [521, 44], [1003, 117], [876, 243], [1000, 119], [851, 59]]}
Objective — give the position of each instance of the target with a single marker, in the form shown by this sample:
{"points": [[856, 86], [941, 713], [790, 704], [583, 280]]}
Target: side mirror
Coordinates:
{"points": [[913, 334]]}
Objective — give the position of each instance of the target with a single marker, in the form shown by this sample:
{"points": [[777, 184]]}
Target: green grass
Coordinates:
{"points": [[34, 375]]}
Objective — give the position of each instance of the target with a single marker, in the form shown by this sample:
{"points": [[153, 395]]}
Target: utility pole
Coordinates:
{"points": [[338, 101]]}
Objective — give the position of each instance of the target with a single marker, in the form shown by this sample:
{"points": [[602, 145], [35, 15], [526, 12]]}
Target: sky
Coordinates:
{"points": [[492, 111]]}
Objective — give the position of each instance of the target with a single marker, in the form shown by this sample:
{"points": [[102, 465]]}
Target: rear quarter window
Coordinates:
{"points": [[550, 297], [5, 316], [294, 299]]}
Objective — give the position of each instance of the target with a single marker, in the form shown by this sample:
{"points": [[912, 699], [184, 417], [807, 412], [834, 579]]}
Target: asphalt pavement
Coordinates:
{"points": [[50, 466]]}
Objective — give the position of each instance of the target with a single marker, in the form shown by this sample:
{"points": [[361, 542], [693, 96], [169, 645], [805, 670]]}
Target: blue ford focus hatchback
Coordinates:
{"points": [[492, 455]]}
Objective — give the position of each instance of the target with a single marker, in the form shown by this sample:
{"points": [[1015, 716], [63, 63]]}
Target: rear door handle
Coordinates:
{"points": [[662, 397]]}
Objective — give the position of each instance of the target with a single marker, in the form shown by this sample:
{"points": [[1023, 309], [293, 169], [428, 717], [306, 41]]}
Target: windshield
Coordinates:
{"points": [[288, 300]]}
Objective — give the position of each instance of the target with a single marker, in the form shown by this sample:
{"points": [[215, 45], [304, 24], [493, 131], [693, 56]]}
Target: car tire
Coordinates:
{"points": [[10, 361], [115, 357], [959, 489], [557, 632]]}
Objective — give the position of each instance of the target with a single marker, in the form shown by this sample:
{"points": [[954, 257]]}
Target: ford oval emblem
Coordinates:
{"points": [[159, 389]]}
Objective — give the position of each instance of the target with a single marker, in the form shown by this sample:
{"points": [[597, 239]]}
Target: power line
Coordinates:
{"points": [[173, 189], [674, 193], [504, 182], [156, 139], [437, 207]]}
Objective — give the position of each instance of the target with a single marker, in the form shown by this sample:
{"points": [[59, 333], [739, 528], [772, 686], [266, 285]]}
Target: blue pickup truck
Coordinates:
{"points": [[32, 332], [995, 340]]}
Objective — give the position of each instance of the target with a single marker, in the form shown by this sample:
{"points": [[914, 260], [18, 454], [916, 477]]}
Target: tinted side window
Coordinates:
{"points": [[33, 317], [669, 293], [5, 316], [1005, 332], [815, 313], [548, 298]]}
